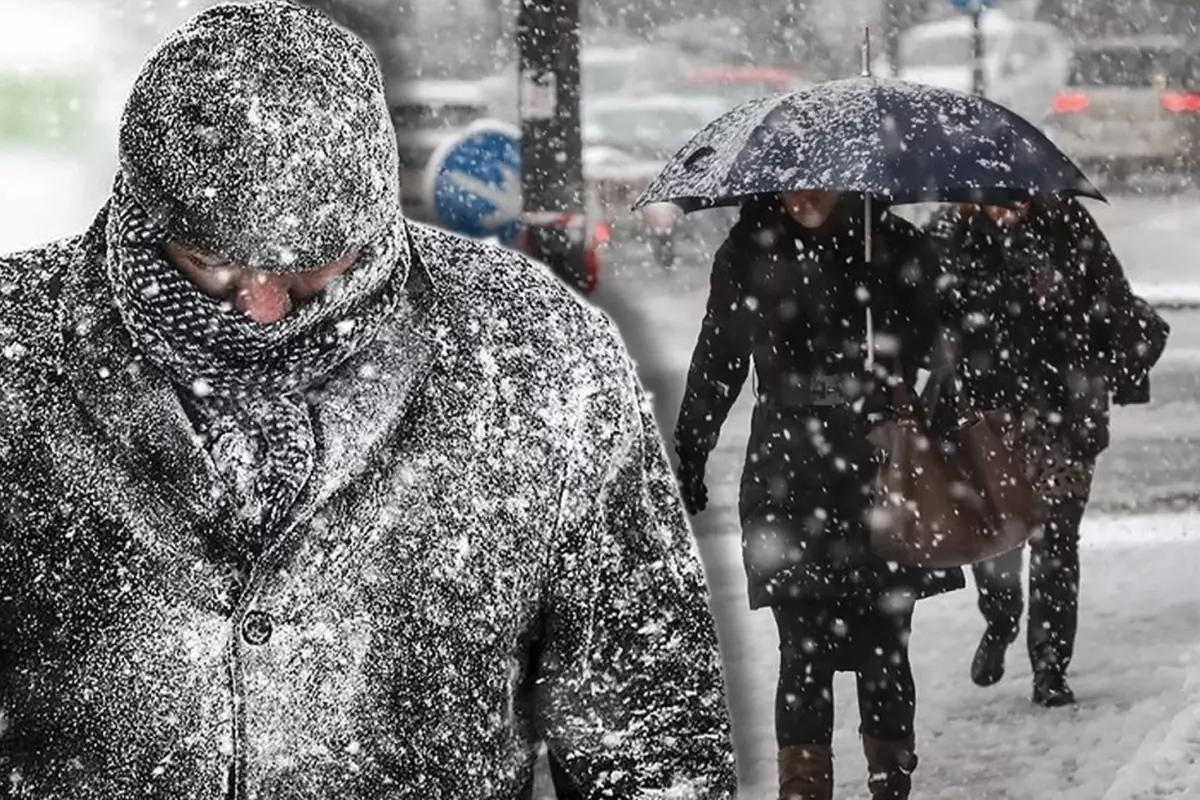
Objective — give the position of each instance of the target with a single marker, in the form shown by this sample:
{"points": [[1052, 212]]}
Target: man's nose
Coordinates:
{"points": [[263, 298]]}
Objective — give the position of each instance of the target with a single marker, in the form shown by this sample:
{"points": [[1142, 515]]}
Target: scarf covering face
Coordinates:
{"points": [[260, 133], [247, 381]]}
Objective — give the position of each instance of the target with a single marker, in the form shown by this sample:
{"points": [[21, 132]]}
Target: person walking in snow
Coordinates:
{"points": [[1050, 330], [304, 500], [790, 293]]}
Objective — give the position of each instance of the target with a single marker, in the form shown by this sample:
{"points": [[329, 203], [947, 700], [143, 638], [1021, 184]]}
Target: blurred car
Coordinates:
{"points": [[650, 126], [738, 85], [427, 113], [604, 70], [648, 129], [1132, 104], [1025, 63], [572, 245]]}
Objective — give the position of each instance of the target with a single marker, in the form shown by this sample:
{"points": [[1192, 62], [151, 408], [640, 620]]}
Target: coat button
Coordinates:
{"points": [[256, 628]]}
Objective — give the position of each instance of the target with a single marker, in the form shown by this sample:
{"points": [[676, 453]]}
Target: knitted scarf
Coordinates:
{"points": [[245, 382]]}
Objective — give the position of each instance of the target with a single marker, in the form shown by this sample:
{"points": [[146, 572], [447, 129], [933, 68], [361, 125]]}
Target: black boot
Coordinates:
{"points": [[1050, 689], [987, 667]]}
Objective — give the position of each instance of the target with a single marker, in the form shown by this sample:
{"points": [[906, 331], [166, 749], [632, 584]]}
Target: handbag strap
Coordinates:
{"points": [[943, 374]]}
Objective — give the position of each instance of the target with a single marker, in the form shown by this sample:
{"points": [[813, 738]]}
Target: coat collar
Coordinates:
{"points": [[136, 408]]}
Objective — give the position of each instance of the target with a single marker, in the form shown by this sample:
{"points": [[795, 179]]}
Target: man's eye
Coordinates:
{"points": [[210, 262]]}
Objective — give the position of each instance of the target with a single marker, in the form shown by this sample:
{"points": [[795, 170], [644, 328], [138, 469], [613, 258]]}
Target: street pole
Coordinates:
{"points": [[978, 81], [551, 139], [891, 35]]}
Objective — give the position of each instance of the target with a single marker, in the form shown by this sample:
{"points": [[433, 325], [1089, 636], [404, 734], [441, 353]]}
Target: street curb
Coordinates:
{"points": [[1176, 305], [1170, 296]]}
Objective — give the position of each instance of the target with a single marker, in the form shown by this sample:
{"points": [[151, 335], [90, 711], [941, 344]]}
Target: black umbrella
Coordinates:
{"points": [[899, 141]]}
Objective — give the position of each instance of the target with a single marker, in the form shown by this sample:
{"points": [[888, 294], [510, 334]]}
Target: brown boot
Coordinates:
{"points": [[806, 772], [891, 766]]}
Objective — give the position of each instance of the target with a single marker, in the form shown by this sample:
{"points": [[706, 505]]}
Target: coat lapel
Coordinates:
{"points": [[133, 406], [370, 397]]}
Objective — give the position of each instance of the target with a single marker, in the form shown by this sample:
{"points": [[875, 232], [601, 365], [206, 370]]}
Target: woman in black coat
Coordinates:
{"points": [[792, 293], [1050, 330]]}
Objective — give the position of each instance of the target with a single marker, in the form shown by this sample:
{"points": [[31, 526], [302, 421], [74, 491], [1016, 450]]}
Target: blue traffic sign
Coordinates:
{"points": [[973, 5], [473, 182]]}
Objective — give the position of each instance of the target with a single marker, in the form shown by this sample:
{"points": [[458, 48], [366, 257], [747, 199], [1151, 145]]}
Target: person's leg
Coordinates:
{"points": [[887, 696], [998, 583], [804, 703], [1054, 600]]}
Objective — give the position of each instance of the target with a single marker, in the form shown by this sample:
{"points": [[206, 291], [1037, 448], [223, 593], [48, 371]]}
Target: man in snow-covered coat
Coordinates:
{"points": [[303, 500]]}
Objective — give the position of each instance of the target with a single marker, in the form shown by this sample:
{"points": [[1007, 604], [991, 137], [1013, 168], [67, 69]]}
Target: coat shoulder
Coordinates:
{"points": [[496, 297], [28, 321], [29, 282]]}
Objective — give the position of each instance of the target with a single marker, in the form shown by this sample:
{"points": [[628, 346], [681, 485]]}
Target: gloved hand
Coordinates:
{"points": [[691, 485]]}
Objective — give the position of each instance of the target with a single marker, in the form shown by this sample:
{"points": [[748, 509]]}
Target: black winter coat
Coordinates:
{"points": [[794, 302], [1048, 322]]}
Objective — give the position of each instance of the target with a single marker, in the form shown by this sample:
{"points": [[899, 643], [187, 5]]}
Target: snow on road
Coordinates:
{"points": [[1135, 734]]}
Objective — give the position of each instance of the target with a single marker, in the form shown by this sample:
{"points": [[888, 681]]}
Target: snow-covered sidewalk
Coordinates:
{"points": [[1135, 733]]}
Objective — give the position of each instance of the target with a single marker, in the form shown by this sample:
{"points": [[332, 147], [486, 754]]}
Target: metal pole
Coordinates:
{"points": [[978, 81], [866, 73], [891, 34], [870, 326], [551, 139]]}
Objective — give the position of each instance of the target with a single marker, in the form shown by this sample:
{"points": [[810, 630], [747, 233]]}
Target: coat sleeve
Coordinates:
{"points": [[720, 360], [927, 275], [630, 695], [1129, 335]]}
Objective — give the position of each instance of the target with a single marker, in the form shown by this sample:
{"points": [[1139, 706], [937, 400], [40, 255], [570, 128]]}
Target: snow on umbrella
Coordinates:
{"points": [[897, 140]]}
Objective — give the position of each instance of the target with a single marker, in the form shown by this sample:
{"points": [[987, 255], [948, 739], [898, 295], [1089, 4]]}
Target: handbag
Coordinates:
{"points": [[942, 502], [945, 502]]}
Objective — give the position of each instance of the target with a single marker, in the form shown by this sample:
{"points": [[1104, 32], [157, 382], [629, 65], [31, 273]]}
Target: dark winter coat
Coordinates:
{"points": [[1049, 322], [794, 301], [491, 552]]}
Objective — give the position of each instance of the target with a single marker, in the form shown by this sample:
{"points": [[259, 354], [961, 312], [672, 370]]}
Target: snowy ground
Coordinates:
{"points": [[1136, 732]]}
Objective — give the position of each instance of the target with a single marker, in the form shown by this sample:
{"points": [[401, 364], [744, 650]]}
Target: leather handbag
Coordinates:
{"points": [[942, 502]]}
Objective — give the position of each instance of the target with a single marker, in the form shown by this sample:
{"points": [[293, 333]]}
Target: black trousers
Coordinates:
{"points": [[868, 638], [1053, 588]]}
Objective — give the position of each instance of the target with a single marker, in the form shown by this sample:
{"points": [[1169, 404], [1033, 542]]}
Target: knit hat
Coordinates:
{"points": [[260, 133]]}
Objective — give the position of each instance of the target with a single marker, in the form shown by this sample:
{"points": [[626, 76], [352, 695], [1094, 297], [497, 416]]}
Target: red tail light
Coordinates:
{"points": [[1071, 103], [1181, 102], [603, 234]]}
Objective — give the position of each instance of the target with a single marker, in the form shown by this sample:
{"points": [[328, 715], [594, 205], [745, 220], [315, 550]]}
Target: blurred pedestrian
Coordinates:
{"points": [[792, 293], [304, 500], [1050, 329]]}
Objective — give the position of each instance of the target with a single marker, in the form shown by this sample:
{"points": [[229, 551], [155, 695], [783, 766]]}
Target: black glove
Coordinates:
{"points": [[691, 485]]}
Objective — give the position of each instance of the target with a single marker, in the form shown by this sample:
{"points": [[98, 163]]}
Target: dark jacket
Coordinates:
{"points": [[491, 553], [1049, 322], [794, 302]]}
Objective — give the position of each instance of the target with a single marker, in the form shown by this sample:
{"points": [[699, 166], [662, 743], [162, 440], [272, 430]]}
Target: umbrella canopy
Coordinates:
{"points": [[899, 141]]}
